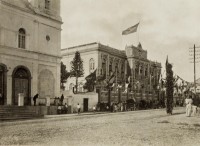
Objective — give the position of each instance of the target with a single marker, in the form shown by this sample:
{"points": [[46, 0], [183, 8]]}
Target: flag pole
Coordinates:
{"points": [[138, 33]]}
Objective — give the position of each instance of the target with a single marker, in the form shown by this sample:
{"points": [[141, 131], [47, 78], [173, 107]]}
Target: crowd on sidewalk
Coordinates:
{"points": [[191, 104]]}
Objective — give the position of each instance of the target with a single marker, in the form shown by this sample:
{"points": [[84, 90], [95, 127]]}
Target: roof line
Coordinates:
{"points": [[93, 43]]}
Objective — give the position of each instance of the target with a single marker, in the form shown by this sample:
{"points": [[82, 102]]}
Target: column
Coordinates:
{"points": [[107, 65], [1, 36], [9, 89]]}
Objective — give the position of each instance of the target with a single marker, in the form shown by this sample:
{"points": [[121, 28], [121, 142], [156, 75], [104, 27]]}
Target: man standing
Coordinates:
{"points": [[61, 99], [78, 108], [94, 108], [35, 98], [66, 108]]}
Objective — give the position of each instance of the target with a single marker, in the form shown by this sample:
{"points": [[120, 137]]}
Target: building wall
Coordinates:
{"points": [[85, 56], [40, 54], [145, 73], [79, 98], [101, 54]]}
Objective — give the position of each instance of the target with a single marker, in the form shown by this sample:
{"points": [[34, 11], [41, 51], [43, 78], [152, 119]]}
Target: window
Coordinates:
{"points": [[103, 68], [110, 69], [146, 72], [47, 4], [91, 65], [21, 38], [122, 70], [116, 68]]}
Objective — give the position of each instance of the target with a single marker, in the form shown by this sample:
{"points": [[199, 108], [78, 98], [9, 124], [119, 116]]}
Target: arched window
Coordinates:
{"points": [[21, 38], [91, 65], [47, 4]]}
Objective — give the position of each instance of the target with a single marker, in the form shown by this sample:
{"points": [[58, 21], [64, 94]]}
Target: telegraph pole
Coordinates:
{"points": [[194, 58], [194, 69]]}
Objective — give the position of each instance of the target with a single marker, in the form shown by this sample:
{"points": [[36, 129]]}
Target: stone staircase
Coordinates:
{"points": [[17, 112]]}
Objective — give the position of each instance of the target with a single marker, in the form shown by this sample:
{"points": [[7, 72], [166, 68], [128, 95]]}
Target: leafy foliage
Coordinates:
{"points": [[64, 74], [77, 68]]}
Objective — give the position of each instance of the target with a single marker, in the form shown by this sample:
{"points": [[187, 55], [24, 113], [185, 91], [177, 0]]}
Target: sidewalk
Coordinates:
{"points": [[180, 110], [74, 114]]}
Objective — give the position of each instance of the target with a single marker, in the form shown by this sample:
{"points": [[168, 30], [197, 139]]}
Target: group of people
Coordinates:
{"points": [[63, 109], [191, 107], [114, 107]]}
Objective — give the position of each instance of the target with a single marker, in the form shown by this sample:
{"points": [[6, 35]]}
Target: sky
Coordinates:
{"points": [[167, 27]]}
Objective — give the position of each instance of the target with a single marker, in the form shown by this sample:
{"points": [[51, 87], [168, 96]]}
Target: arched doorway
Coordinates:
{"points": [[3, 94], [21, 84]]}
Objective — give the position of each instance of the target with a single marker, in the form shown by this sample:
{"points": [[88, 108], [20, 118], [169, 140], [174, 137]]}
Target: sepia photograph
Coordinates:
{"points": [[100, 72]]}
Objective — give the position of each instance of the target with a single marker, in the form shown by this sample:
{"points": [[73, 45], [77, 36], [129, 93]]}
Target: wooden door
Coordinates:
{"points": [[85, 104], [21, 86]]}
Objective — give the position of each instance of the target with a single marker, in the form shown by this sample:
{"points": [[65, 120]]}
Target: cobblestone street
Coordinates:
{"points": [[152, 127]]}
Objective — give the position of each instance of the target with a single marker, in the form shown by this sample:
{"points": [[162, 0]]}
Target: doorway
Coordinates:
{"points": [[21, 84], [2, 84], [85, 104]]}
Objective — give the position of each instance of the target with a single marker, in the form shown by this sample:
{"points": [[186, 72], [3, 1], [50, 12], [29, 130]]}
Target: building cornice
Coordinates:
{"points": [[27, 51], [81, 51], [78, 46], [97, 47], [138, 58], [112, 51]]}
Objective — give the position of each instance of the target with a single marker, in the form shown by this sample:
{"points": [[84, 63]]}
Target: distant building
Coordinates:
{"points": [[129, 63], [98, 57], [145, 73], [30, 42]]}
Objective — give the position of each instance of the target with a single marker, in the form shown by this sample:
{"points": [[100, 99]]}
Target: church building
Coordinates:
{"points": [[30, 43]]}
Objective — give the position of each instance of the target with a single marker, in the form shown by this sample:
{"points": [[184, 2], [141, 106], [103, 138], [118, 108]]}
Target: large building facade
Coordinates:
{"points": [[145, 73], [30, 43], [104, 59], [129, 66]]}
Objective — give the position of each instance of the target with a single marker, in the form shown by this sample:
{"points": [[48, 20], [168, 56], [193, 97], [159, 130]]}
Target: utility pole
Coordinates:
{"points": [[194, 69], [194, 52]]}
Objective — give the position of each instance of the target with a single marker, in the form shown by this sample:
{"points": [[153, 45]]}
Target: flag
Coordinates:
{"points": [[91, 76], [126, 88], [166, 61], [112, 79], [131, 29], [129, 79]]}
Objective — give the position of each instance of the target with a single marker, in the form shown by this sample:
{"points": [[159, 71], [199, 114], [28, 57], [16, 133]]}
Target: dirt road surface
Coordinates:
{"points": [[136, 128]]}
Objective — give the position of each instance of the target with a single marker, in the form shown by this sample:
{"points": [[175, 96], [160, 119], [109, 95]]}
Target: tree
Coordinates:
{"points": [[64, 74], [169, 88], [77, 68]]}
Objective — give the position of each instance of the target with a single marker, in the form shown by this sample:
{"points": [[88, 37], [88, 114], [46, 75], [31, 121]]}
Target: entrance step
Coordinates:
{"points": [[18, 112]]}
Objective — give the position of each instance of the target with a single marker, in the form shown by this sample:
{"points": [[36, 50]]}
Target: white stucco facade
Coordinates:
{"points": [[40, 56], [105, 61]]}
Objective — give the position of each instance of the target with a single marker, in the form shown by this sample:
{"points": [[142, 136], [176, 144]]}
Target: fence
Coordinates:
{"points": [[117, 97]]}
